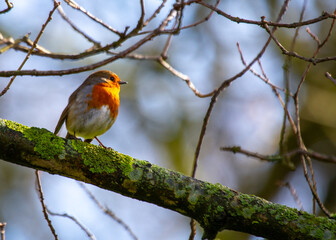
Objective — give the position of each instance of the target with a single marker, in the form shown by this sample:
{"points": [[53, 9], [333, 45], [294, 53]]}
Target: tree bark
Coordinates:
{"points": [[214, 206]]}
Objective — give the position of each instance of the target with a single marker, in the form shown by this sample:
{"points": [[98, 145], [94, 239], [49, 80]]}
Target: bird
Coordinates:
{"points": [[93, 107]]}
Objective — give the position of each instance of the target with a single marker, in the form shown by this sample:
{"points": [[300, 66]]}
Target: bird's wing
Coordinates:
{"points": [[65, 112], [62, 119]]}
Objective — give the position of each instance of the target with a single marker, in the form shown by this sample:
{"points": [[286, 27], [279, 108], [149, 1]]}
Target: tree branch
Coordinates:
{"points": [[214, 206]]}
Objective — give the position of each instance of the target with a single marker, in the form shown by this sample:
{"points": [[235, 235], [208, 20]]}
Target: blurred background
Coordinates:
{"points": [[160, 118]]}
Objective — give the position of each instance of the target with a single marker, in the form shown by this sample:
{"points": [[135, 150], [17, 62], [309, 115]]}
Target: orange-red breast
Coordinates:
{"points": [[93, 107]]}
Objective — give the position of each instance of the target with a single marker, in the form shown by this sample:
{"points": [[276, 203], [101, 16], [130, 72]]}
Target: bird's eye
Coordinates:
{"points": [[112, 79]]}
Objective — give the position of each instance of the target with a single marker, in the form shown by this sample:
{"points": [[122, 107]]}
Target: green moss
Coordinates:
{"points": [[101, 160], [193, 197], [167, 201], [179, 193], [220, 209], [130, 185], [328, 235], [136, 174], [45, 143], [170, 183], [94, 157], [15, 126], [126, 163], [247, 212], [98, 159]]}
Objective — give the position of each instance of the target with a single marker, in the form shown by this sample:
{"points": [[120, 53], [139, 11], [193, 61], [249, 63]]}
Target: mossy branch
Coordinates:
{"points": [[214, 206]]}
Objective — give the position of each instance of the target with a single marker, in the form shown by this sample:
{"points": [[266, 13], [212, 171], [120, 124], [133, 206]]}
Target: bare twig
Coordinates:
{"points": [[44, 208], [223, 86], [202, 20], [108, 212], [287, 68], [9, 7], [328, 75], [140, 24], [276, 157], [158, 31], [65, 215], [319, 156], [168, 42], [32, 48], [156, 12], [38, 48], [316, 39], [237, 149], [2, 230], [274, 88], [293, 193], [11, 43], [184, 78], [192, 229], [75, 5], [324, 16], [311, 181], [165, 64], [62, 13], [266, 79], [94, 51]]}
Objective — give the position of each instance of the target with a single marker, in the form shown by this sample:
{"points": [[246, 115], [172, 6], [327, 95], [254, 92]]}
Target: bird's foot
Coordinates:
{"points": [[102, 145]]}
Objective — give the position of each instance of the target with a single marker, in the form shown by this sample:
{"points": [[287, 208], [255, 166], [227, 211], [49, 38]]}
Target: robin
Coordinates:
{"points": [[93, 107]]}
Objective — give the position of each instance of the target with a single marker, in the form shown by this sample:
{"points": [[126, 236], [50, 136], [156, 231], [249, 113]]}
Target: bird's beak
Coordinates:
{"points": [[122, 82]]}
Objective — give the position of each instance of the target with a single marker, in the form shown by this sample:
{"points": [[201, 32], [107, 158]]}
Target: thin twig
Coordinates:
{"points": [[293, 193], [165, 64], [287, 68], [168, 42], [32, 48], [158, 31], [74, 27], [140, 24], [202, 20], [192, 229], [184, 78], [44, 208], [311, 181], [319, 156], [9, 7], [180, 16], [11, 43], [312, 186], [328, 75], [324, 16], [75, 5], [223, 86], [156, 12], [108, 212], [2, 230], [38, 48], [314, 37], [274, 87], [238, 149], [277, 157], [65, 215], [94, 51]]}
